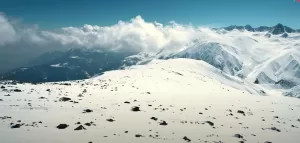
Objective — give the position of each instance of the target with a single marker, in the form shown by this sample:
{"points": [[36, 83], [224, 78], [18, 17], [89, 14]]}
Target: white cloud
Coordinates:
{"points": [[7, 32], [135, 35]]}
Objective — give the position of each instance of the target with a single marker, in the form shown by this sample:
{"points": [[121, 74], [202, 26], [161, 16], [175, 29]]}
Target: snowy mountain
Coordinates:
{"points": [[138, 59], [164, 101], [72, 64], [283, 70], [263, 56], [251, 56], [216, 54], [275, 30]]}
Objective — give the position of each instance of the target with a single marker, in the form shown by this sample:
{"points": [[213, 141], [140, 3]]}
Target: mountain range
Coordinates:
{"points": [[72, 64], [264, 56], [275, 30]]}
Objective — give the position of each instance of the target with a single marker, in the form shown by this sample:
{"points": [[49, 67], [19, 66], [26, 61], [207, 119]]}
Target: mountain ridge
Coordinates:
{"points": [[275, 30], [71, 64]]}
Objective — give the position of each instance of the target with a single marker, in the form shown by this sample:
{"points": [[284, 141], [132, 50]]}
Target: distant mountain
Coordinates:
{"points": [[138, 59], [259, 58], [275, 30], [216, 54], [73, 64], [15, 55]]}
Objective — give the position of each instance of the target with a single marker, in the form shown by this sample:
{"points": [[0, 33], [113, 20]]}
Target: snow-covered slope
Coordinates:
{"points": [[180, 73], [284, 67], [249, 55], [165, 101], [218, 55]]}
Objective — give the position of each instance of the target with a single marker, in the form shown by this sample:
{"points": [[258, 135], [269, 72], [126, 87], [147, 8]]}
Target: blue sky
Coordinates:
{"points": [[51, 14]]}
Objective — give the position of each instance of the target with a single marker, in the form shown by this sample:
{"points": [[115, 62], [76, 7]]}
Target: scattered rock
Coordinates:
{"points": [[275, 129], [68, 84], [16, 126], [110, 120], [127, 102], [80, 128], [48, 90], [135, 109], [2, 87], [293, 126], [153, 118], [186, 139], [17, 90], [241, 112], [64, 99], [62, 126], [238, 136], [210, 123], [87, 111], [163, 123], [5, 117], [42, 98], [84, 91], [138, 136]]}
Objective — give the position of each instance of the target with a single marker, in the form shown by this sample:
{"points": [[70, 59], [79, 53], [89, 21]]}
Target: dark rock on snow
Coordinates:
{"points": [[238, 136], [210, 123], [135, 109], [16, 126], [62, 126], [110, 120], [241, 112], [87, 111], [80, 128], [163, 123], [186, 139], [153, 118], [64, 99], [17, 90]]}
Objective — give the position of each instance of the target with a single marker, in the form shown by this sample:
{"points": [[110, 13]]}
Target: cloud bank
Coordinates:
{"points": [[135, 35], [7, 31]]}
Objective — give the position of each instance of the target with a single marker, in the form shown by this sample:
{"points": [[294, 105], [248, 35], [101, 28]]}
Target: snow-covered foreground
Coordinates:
{"points": [[171, 101]]}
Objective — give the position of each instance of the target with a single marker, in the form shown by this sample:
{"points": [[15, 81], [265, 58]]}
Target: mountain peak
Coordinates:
{"points": [[279, 25], [278, 29], [249, 28]]}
